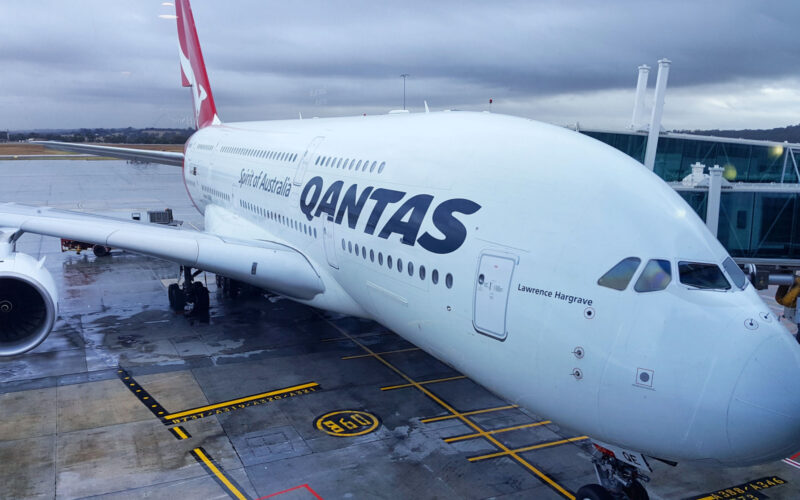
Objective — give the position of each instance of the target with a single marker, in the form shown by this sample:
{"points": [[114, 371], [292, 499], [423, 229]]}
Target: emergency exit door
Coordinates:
{"points": [[329, 240], [305, 160], [492, 284]]}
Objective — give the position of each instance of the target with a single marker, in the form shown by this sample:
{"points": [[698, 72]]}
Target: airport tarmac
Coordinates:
{"points": [[263, 397]]}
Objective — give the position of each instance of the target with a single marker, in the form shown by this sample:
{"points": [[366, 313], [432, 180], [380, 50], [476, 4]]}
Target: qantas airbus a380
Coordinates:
{"points": [[550, 268]]}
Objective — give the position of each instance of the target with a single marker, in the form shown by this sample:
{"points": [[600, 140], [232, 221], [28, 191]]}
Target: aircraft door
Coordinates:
{"points": [[492, 284], [304, 161], [330, 242]]}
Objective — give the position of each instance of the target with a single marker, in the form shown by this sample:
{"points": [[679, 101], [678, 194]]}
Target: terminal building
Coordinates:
{"points": [[758, 215]]}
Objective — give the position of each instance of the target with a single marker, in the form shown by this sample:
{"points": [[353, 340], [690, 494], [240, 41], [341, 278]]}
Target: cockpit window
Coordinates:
{"points": [[735, 272], [655, 276], [620, 275], [703, 276]]}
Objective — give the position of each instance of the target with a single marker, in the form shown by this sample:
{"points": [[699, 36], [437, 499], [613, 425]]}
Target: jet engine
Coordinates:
{"points": [[28, 303]]}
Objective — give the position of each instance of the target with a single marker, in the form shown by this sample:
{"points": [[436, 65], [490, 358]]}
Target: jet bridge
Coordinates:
{"points": [[759, 224]]}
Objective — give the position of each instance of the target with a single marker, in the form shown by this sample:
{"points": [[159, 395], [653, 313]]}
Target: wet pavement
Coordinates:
{"points": [[262, 397]]}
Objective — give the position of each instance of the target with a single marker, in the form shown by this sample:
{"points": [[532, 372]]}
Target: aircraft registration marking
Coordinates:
{"points": [[746, 491]]}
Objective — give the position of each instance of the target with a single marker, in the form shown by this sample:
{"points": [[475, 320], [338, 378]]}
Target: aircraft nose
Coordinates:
{"points": [[764, 411]]}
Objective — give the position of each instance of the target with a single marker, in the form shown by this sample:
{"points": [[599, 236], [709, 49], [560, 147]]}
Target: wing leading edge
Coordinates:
{"points": [[164, 157], [266, 264]]}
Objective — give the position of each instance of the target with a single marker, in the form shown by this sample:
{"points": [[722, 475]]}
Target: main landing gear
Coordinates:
{"points": [[191, 292], [618, 480]]}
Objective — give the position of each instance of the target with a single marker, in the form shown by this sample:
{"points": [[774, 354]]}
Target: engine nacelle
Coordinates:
{"points": [[28, 303]]}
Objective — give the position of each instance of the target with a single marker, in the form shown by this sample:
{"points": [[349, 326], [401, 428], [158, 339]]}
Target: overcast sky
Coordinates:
{"points": [[113, 63]]}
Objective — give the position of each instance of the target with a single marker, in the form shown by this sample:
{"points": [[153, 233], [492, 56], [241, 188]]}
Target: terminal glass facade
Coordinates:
{"points": [[674, 157], [754, 224]]}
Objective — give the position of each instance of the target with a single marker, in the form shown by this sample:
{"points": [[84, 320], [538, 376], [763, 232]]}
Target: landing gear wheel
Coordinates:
{"points": [[177, 299], [593, 492], [100, 250], [201, 301], [637, 492]]}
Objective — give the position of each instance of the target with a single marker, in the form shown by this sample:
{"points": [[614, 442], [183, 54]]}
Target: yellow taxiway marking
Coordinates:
{"points": [[381, 353], [496, 431], [339, 339], [527, 448], [240, 400], [512, 453], [213, 468], [180, 433], [414, 384], [468, 413]]}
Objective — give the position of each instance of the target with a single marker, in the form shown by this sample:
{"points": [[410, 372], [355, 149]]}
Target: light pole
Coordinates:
{"points": [[404, 75]]}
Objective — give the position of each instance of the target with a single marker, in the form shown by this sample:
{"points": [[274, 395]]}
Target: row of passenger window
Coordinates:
{"points": [[349, 164], [280, 219], [215, 192], [260, 153], [657, 274], [390, 263]]}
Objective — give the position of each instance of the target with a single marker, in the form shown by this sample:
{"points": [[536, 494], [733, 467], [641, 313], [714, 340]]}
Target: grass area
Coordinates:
{"points": [[22, 148]]}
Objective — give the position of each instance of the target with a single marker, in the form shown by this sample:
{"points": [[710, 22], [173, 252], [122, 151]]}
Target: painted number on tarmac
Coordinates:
{"points": [[347, 423]]}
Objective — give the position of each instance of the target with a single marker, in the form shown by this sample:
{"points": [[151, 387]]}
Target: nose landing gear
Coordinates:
{"points": [[618, 480], [192, 292]]}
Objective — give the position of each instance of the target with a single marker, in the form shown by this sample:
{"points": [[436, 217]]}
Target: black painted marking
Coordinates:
{"points": [[137, 390], [179, 432], [749, 490], [233, 489]]}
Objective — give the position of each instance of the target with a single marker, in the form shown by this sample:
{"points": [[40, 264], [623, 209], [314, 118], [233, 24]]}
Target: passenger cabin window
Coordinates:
{"points": [[655, 276], [620, 275], [735, 272], [702, 276]]}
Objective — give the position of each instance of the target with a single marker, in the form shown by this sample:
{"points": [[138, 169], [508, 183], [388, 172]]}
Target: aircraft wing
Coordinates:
{"points": [[165, 157], [269, 264]]}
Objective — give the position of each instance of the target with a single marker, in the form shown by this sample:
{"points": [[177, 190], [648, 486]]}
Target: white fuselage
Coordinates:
{"points": [[524, 218]]}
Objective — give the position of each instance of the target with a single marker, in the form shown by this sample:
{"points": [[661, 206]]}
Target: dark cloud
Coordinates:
{"points": [[275, 59]]}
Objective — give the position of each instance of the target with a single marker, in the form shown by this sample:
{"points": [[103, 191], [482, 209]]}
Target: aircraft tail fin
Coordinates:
{"points": [[193, 68]]}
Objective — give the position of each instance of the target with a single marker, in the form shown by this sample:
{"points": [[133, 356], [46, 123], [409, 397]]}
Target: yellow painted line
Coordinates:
{"points": [[468, 413], [541, 475], [240, 400], [527, 448], [496, 431], [180, 432], [414, 384], [709, 497], [381, 353], [339, 339], [219, 474]]}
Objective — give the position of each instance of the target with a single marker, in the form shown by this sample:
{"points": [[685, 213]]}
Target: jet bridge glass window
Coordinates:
{"points": [[656, 276], [702, 276], [735, 273], [620, 275]]}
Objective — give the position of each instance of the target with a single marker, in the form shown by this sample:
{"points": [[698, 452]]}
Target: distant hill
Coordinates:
{"points": [[127, 135], [790, 133]]}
